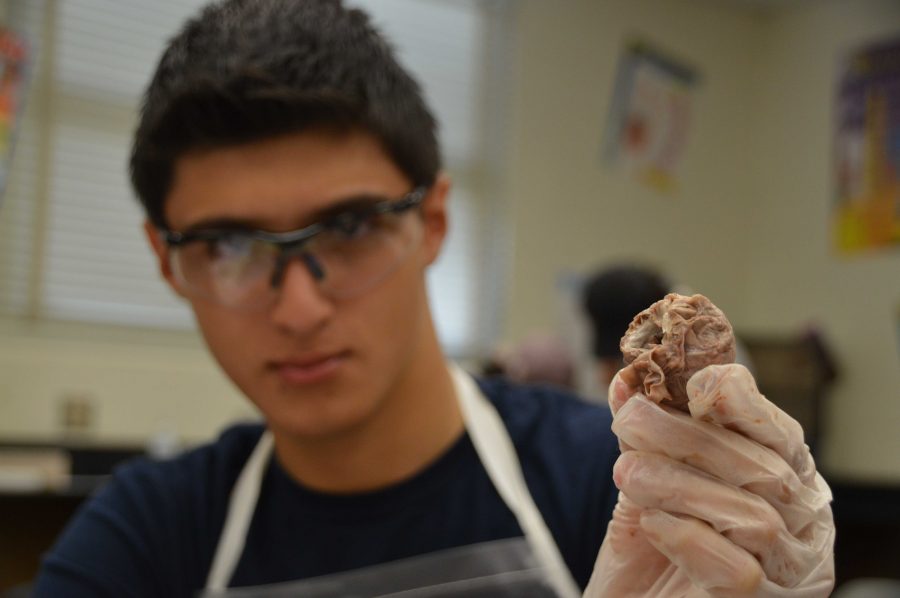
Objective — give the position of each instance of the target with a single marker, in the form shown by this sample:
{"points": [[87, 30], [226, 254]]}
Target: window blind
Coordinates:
{"points": [[83, 231], [444, 44]]}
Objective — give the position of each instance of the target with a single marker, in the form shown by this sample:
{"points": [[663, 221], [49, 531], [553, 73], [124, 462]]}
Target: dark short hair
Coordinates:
{"points": [[613, 297], [247, 70]]}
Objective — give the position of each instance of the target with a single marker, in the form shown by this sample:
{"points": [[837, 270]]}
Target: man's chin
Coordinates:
{"points": [[319, 416]]}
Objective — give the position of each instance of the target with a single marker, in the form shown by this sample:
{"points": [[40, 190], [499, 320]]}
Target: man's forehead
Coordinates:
{"points": [[281, 183]]}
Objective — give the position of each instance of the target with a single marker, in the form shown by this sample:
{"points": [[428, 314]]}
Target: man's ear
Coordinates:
{"points": [[161, 251], [434, 217]]}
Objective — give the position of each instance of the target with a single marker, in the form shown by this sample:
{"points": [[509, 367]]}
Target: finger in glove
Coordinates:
{"points": [[620, 389], [626, 550], [727, 395], [711, 561], [657, 482], [646, 426]]}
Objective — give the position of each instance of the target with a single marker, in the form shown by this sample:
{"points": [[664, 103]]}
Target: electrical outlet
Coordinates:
{"points": [[77, 413]]}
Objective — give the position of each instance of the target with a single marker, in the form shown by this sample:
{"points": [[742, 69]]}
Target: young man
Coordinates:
{"points": [[291, 177]]}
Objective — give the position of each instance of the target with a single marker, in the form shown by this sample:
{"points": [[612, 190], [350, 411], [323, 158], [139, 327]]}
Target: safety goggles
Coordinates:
{"points": [[346, 254]]}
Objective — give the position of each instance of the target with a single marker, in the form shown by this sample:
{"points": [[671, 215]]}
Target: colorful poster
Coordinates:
{"points": [[649, 116], [867, 149], [13, 56]]}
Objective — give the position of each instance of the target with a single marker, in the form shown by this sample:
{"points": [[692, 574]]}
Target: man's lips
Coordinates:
{"points": [[309, 369]]}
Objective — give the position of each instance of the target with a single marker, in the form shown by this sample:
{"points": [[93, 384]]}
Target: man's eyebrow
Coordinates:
{"points": [[221, 223], [349, 204]]}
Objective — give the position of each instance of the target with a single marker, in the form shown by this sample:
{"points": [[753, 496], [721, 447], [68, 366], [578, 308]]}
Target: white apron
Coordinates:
{"points": [[515, 567]]}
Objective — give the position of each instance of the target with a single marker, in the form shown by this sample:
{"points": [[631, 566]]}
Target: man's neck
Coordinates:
{"points": [[422, 421]]}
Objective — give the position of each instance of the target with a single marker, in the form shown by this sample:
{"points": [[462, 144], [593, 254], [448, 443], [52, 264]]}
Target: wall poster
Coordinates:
{"points": [[866, 212], [649, 116]]}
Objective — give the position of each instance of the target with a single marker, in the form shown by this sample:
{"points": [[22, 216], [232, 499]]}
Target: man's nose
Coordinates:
{"points": [[301, 308]]}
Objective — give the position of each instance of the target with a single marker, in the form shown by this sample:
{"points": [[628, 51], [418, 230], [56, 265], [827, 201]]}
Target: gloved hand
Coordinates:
{"points": [[725, 501]]}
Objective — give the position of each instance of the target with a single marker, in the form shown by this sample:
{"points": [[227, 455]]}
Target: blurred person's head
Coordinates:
{"points": [[540, 358], [612, 297]]}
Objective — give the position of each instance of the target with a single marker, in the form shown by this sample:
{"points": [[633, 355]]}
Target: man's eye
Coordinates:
{"points": [[352, 225], [229, 246]]}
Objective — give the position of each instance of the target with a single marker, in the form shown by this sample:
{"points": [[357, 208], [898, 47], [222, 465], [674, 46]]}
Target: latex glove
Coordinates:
{"points": [[725, 501]]}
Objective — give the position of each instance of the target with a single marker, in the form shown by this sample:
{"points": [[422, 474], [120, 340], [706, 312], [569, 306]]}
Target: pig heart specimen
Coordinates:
{"points": [[670, 341]]}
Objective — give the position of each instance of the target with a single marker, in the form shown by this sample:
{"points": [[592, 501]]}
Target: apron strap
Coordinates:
{"points": [[498, 455], [240, 513], [494, 448]]}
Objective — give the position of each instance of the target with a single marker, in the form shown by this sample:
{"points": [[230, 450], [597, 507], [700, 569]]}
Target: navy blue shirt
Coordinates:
{"points": [[153, 529]]}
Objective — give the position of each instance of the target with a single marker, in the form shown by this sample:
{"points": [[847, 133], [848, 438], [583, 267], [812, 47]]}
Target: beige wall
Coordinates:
{"points": [[138, 383], [748, 226], [795, 277], [568, 209]]}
